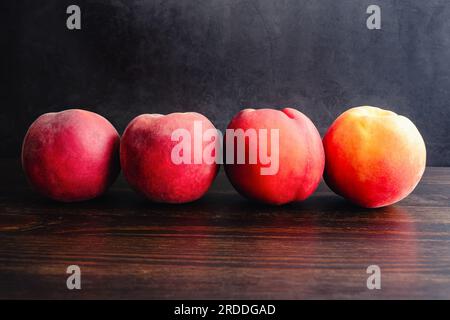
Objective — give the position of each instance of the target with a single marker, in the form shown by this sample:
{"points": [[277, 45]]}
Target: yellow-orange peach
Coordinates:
{"points": [[374, 157]]}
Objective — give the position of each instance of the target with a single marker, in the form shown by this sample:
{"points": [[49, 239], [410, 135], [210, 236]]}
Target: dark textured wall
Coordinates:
{"points": [[218, 56]]}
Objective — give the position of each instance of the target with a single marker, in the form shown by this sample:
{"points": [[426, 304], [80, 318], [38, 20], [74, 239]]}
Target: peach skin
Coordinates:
{"points": [[374, 157], [71, 155], [147, 157], [297, 157]]}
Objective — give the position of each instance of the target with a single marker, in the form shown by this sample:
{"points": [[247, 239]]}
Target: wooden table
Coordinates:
{"points": [[223, 246]]}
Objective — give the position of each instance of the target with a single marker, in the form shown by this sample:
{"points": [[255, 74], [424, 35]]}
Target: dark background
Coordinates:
{"points": [[219, 56]]}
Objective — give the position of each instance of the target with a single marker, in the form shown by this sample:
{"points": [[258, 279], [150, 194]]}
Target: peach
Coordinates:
{"points": [[374, 157], [71, 155], [146, 155], [296, 155]]}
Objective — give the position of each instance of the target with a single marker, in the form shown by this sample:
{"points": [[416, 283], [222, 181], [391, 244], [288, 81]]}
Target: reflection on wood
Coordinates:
{"points": [[224, 246]]}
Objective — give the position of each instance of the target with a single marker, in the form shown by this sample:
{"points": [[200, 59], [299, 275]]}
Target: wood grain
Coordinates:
{"points": [[223, 246]]}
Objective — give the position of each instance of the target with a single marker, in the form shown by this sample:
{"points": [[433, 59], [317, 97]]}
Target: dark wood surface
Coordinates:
{"points": [[223, 246]]}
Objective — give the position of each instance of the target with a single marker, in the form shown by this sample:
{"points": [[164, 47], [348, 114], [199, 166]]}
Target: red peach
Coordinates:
{"points": [[374, 157], [147, 161], [71, 155], [298, 151]]}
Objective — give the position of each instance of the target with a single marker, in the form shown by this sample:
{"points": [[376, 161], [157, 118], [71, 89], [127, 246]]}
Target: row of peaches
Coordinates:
{"points": [[372, 157]]}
